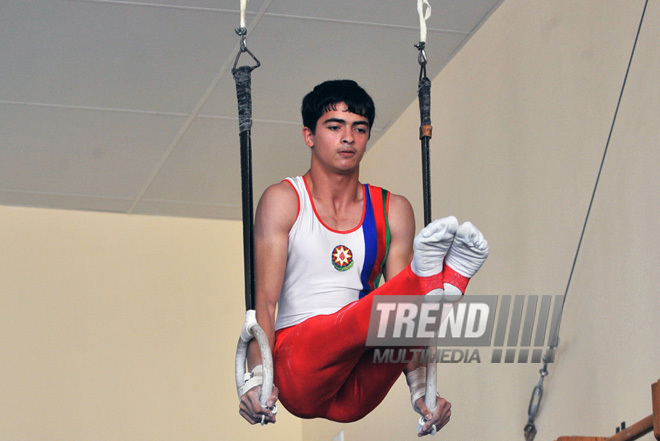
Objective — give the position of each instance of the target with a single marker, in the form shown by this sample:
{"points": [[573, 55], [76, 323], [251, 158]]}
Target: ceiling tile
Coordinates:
{"points": [[205, 167], [110, 55], [80, 152], [230, 5], [371, 11], [198, 166], [448, 15], [460, 15]]}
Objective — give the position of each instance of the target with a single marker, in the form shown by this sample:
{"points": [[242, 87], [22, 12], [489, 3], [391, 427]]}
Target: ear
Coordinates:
{"points": [[308, 136]]}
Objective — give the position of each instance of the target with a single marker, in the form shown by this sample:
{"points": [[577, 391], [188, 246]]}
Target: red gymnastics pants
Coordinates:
{"points": [[322, 366]]}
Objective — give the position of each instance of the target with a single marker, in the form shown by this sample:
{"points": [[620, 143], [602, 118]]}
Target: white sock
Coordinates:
{"points": [[468, 252], [431, 245]]}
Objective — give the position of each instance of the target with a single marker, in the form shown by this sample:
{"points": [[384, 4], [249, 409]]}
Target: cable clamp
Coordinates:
{"points": [[242, 33], [426, 131], [421, 57]]}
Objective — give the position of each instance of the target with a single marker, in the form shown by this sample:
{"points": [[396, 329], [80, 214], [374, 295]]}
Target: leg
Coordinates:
{"points": [[467, 254], [322, 366], [321, 362]]}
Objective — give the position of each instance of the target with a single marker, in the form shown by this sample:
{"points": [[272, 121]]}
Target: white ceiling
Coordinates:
{"points": [[130, 106]]}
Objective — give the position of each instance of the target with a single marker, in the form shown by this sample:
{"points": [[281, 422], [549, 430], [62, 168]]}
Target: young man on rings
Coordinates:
{"points": [[322, 241]]}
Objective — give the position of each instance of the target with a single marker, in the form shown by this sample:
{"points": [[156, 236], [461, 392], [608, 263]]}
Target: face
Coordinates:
{"points": [[340, 139]]}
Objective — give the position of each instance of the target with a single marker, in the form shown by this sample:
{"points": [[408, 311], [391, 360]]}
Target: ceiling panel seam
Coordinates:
{"points": [[362, 23], [194, 113], [161, 6], [269, 14], [66, 194], [92, 108]]}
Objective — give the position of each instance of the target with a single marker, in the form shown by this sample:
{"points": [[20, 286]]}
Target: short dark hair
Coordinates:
{"points": [[328, 94]]}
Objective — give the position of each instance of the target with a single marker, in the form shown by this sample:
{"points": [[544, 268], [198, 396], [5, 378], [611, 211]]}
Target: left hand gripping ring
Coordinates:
{"points": [[252, 329], [420, 424]]}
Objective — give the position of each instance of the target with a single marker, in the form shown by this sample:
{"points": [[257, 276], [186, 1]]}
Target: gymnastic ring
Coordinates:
{"points": [[251, 329]]}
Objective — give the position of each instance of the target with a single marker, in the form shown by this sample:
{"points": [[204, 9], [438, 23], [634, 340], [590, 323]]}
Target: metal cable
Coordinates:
{"points": [[537, 393]]}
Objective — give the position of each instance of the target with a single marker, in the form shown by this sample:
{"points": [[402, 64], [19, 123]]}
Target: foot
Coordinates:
{"points": [[467, 254], [431, 246]]}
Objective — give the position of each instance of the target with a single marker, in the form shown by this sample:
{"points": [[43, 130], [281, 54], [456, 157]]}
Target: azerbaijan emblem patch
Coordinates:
{"points": [[342, 258]]}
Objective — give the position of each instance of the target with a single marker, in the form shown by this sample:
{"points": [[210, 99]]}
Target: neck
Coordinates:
{"points": [[341, 190]]}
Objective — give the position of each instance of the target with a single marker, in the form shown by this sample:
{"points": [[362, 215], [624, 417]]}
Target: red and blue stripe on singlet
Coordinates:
{"points": [[376, 232]]}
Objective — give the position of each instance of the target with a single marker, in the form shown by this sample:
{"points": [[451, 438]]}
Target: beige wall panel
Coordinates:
{"points": [[521, 117], [121, 327]]}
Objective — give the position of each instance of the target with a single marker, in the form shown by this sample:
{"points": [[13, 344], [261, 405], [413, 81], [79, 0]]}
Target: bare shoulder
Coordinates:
{"points": [[281, 193], [278, 207], [401, 219], [400, 214]]}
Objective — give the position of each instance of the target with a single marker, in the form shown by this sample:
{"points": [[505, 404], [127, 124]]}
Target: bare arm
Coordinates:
{"points": [[275, 216], [402, 229], [401, 220]]}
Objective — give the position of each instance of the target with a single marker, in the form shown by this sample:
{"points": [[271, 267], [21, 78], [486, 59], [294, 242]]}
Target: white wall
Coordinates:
{"points": [[521, 117]]}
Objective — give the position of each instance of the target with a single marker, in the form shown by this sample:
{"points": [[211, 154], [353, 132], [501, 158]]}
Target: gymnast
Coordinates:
{"points": [[322, 242]]}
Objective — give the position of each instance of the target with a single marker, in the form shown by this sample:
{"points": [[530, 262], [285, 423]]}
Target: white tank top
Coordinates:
{"points": [[328, 269]]}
